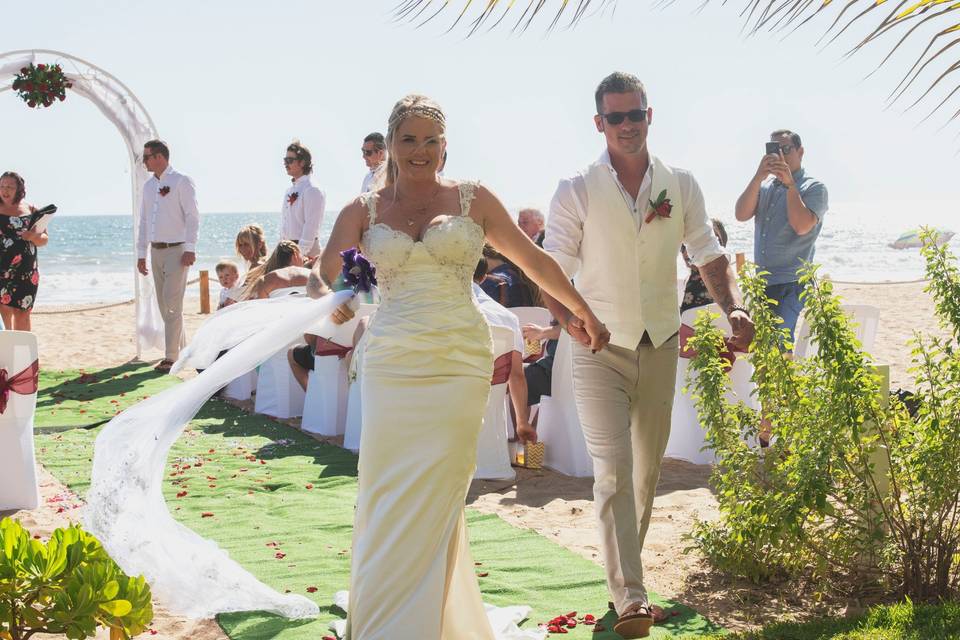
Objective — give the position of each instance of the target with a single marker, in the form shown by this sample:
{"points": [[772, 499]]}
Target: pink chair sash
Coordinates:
{"points": [[24, 383], [329, 348], [501, 369]]}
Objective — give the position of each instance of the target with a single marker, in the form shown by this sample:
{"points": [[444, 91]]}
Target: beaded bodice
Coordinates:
{"points": [[444, 259]]}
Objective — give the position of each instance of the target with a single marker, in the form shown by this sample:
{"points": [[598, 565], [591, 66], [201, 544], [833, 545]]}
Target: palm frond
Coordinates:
{"points": [[409, 11], [926, 23]]}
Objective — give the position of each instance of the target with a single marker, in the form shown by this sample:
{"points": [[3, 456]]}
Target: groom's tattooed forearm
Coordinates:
{"points": [[316, 284], [721, 283]]}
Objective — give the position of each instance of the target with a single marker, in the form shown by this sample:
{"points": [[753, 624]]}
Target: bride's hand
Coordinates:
{"points": [[589, 331]]}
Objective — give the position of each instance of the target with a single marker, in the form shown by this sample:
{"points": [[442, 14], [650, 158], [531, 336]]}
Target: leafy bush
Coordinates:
{"points": [[854, 494], [67, 586]]}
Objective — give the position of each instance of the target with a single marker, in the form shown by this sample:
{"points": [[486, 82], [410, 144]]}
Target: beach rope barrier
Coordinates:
{"points": [[52, 310]]}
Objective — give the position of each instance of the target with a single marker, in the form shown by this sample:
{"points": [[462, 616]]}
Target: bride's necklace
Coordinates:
{"points": [[419, 210]]}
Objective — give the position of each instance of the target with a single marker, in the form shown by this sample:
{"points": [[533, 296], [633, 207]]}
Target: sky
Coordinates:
{"points": [[229, 84]]}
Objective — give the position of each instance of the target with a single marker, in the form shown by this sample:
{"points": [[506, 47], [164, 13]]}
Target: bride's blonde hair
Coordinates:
{"points": [[411, 105]]}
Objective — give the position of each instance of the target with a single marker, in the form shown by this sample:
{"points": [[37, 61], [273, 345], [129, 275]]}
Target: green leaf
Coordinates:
{"points": [[117, 608]]}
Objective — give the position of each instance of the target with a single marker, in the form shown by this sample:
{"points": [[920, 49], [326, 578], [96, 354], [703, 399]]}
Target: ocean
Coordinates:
{"points": [[90, 259]]}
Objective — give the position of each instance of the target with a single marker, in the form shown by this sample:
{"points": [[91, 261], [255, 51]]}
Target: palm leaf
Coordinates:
{"points": [[927, 25]]}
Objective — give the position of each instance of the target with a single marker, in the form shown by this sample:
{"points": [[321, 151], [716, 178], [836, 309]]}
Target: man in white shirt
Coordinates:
{"points": [[616, 228], [169, 223], [303, 203], [374, 152]]}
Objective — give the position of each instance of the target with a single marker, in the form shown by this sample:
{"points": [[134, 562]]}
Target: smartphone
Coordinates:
{"points": [[773, 149]]}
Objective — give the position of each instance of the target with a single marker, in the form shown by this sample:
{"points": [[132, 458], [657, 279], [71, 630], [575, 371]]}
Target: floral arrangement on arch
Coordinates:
{"points": [[40, 85]]}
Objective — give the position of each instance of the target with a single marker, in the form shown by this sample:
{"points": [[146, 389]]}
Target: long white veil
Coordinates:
{"points": [[189, 575]]}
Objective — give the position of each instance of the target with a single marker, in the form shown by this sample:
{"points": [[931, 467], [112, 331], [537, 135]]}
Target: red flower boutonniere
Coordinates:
{"points": [[164, 190], [660, 207], [292, 198]]}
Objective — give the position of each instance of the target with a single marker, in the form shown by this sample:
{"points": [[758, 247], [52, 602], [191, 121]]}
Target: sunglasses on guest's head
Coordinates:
{"points": [[288, 161], [617, 117]]}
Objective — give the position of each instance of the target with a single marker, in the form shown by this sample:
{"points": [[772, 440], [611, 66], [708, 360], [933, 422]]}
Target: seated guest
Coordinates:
{"points": [[506, 283], [497, 315], [539, 374], [228, 274], [532, 223], [284, 268], [695, 293], [252, 246]]}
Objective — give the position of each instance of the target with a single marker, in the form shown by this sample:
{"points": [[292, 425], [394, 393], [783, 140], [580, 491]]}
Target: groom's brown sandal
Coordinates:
{"points": [[635, 622], [164, 366]]}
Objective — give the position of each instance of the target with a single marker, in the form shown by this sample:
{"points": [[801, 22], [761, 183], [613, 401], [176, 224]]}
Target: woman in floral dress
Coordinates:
{"points": [[19, 276]]}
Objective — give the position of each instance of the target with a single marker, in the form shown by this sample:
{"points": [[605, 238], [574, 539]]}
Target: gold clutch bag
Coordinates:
{"points": [[529, 456]]}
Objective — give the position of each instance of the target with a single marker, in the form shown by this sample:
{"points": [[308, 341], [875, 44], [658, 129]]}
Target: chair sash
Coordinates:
{"points": [[23, 383], [330, 348], [501, 369]]}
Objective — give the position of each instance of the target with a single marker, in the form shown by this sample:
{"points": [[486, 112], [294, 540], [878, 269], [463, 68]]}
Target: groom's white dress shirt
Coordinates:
{"points": [[301, 219], [172, 217]]}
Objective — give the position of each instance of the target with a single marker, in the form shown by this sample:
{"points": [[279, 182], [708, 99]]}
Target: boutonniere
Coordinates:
{"points": [[164, 190], [292, 198], [660, 207]]}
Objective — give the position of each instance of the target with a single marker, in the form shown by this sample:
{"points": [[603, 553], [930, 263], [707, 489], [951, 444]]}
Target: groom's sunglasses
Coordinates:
{"points": [[617, 117]]}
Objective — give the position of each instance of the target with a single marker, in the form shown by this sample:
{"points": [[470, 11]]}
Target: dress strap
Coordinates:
{"points": [[369, 199], [467, 194]]}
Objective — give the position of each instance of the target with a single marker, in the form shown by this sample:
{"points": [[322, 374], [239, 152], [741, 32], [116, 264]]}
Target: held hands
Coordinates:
{"points": [[344, 313], [187, 259], [588, 331], [142, 266], [742, 327]]}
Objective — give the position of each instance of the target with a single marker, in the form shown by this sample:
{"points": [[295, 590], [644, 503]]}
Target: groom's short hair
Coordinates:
{"points": [[618, 82]]}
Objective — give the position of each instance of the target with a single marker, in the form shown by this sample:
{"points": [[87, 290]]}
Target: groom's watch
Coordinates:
{"points": [[738, 307]]}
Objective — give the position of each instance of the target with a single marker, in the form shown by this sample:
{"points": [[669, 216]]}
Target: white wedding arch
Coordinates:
{"points": [[121, 107]]}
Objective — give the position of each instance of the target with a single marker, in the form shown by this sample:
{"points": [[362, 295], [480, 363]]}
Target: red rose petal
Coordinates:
{"points": [[206, 514], [311, 589]]}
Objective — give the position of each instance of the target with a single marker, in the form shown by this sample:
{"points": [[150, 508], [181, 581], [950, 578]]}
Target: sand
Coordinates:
{"points": [[556, 506]]}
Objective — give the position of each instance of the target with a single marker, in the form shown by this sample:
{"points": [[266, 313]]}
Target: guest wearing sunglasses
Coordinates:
{"points": [[303, 203], [168, 228], [374, 152], [616, 229], [787, 206]]}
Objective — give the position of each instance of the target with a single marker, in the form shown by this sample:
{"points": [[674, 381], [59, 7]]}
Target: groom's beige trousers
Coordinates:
{"points": [[170, 280], [625, 399]]}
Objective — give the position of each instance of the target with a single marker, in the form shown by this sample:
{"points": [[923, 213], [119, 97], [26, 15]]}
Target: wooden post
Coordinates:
{"points": [[741, 259], [204, 291]]}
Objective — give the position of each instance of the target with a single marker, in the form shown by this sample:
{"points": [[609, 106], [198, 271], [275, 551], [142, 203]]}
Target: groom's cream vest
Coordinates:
{"points": [[629, 278]]}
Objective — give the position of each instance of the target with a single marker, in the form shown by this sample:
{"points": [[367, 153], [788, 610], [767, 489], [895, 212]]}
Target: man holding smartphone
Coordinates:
{"points": [[787, 205]]}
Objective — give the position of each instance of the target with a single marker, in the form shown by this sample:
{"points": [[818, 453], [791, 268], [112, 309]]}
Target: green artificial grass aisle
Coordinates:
{"points": [[282, 504], [74, 398]]}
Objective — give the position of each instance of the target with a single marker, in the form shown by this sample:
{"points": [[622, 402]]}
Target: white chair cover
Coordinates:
{"points": [[278, 392], [18, 469], [686, 433], [325, 406], [493, 455], [288, 291], [866, 320], [242, 387], [558, 426]]}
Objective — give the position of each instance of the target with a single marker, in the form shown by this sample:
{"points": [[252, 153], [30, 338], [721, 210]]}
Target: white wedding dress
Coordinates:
{"points": [[426, 376]]}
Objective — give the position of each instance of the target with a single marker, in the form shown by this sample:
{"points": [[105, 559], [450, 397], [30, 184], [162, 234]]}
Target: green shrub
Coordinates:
{"points": [[854, 493], [67, 586]]}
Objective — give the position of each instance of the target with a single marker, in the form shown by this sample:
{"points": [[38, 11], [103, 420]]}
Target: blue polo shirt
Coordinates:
{"points": [[776, 246]]}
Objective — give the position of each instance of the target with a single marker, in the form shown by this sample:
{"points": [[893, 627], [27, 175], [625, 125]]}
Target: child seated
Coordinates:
{"points": [[228, 274]]}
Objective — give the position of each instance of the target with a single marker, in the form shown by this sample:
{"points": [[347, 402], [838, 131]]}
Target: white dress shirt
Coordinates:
{"points": [[569, 207], [368, 181], [168, 212], [301, 219]]}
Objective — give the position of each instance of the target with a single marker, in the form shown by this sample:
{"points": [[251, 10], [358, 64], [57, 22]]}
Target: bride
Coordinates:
{"points": [[426, 375]]}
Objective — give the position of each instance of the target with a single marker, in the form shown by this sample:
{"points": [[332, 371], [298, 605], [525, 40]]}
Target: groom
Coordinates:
{"points": [[616, 228]]}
